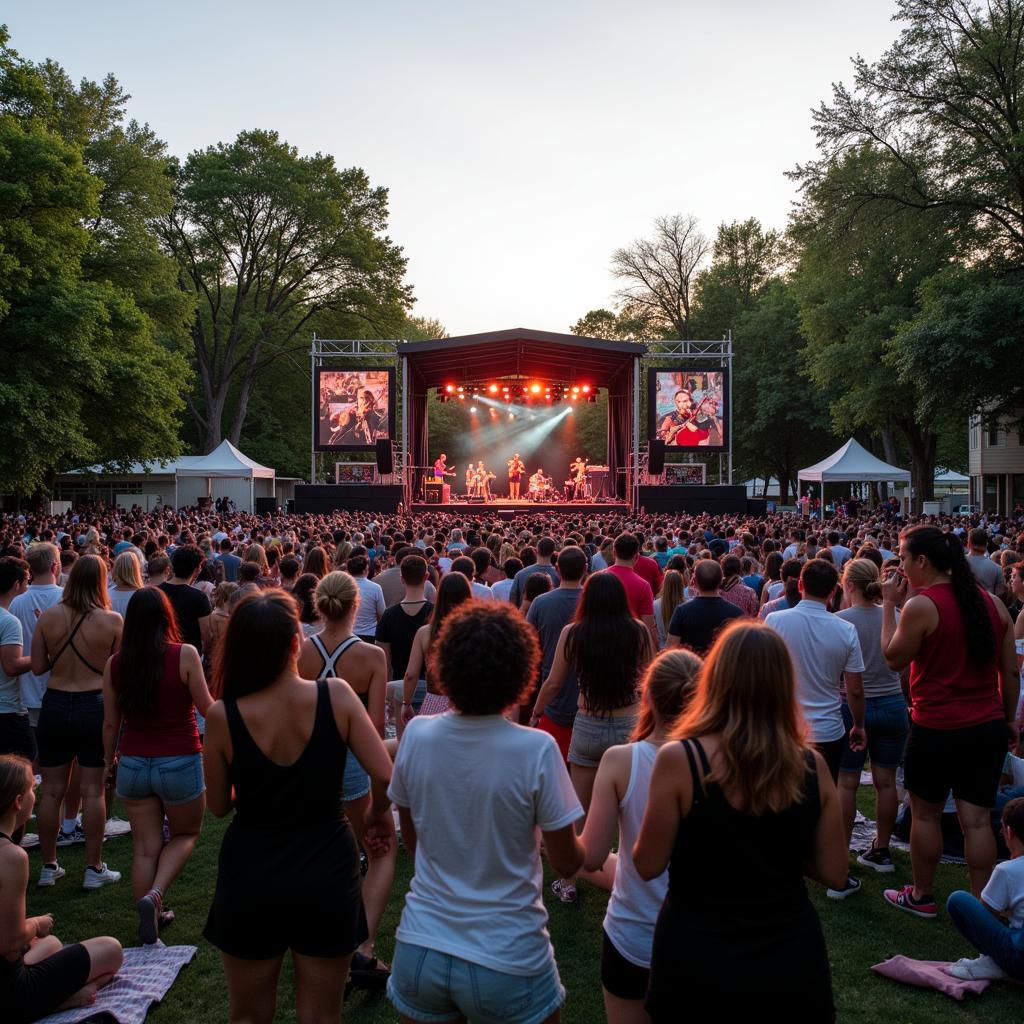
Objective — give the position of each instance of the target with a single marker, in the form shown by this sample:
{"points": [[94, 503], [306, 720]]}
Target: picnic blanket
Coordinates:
{"points": [[114, 828], [929, 974], [864, 833], [145, 976]]}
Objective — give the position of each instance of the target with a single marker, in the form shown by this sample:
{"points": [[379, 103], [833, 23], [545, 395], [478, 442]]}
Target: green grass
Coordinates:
{"points": [[859, 931]]}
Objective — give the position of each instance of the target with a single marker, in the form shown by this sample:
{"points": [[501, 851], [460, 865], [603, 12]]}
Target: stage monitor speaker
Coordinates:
{"points": [[385, 456], [266, 506], [437, 494], [656, 456]]}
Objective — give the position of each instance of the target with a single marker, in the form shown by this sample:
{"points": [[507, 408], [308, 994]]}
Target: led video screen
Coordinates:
{"points": [[688, 408], [355, 409]]}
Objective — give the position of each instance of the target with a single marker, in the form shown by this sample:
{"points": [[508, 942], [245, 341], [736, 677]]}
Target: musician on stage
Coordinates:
{"points": [[483, 481], [687, 427], [441, 469], [362, 425], [470, 480], [516, 468], [538, 482], [578, 470]]}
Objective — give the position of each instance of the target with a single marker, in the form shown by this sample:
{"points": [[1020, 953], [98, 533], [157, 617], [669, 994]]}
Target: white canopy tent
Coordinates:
{"points": [[224, 473], [853, 463]]}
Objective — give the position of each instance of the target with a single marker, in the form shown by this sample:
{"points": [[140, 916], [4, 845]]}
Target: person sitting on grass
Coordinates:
{"points": [[980, 921], [38, 975]]}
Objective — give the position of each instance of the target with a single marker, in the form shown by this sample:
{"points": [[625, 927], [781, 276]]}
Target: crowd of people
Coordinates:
{"points": [[674, 703]]}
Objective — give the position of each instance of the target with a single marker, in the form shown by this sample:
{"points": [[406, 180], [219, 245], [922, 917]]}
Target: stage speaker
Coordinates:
{"points": [[385, 456], [266, 506], [291, 506], [436, 494], [656, 456]]}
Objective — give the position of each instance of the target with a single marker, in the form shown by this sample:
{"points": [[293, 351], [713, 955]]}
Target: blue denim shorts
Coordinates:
{"points": [[887, 724], [356, 782], [592, 735], [430, 986], [175, 780]]}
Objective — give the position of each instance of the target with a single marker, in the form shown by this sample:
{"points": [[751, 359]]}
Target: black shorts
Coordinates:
{"points": [[619, 976], [967, 761], [16, 736], [71, 728], [31, 991]]}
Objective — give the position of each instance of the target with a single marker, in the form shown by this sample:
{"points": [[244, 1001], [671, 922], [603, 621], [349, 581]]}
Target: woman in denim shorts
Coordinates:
{"points": [[336, 652], [608, 649], [152, 689]]}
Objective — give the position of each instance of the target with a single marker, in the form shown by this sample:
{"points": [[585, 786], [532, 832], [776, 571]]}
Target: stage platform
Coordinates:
{"points": [[505, 509]]}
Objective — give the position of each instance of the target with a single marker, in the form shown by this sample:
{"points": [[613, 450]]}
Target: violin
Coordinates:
{"points": [[669, 433]]}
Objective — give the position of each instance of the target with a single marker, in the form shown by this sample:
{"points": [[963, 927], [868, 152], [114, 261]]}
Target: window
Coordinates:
{"points": [[974, 433], [995, 436]]}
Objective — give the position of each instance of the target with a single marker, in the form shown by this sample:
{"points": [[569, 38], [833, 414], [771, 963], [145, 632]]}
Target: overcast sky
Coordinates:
{"points": [[521, 142]]}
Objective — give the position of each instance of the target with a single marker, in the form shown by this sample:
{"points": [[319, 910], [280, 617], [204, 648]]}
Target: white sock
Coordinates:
{"points": [[69, 825]]}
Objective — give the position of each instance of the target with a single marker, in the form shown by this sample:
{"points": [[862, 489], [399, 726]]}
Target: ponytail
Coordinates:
{"points": [[946, 554]]}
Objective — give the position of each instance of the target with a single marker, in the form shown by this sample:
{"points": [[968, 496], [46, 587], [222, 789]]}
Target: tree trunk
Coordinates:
{"points": [[922, 446], [889, 445]]}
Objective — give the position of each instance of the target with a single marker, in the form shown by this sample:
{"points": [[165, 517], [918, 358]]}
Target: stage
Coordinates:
{"points": [[505, 508]]}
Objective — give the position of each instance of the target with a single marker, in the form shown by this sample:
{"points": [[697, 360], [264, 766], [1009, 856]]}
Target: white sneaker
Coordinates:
{"points": [[982, 967], [96, 879], [49, 875]]}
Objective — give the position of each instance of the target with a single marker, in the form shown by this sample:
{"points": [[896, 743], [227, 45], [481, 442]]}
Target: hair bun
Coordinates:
{"points": [[873, 590]]}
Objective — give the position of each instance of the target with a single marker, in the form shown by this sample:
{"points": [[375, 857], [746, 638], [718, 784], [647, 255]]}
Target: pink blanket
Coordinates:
{"points": [[929, 974]]}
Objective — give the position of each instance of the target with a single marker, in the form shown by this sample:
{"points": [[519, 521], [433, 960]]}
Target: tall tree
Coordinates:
{"points": [[659, 274], [945, 102], [77, 346], [266, 240]]}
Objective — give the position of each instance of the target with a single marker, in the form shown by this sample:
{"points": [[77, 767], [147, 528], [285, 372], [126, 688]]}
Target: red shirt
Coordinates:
{"points": [[946, 690], [169, 730], [648, 569], [638, 591]]}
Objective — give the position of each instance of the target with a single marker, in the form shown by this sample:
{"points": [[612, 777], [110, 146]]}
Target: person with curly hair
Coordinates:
{"points": [[473, 941]]}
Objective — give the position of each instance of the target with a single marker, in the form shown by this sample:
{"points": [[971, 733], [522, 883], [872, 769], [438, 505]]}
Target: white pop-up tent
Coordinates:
{"points": [[853, 463], [224, 473]]}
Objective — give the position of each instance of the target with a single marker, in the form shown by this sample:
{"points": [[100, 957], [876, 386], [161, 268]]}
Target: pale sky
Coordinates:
{"points": [[521, 142]]}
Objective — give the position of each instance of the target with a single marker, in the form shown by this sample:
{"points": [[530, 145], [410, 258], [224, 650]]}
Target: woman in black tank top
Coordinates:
{"points": [[288, 875], [737, 930]]}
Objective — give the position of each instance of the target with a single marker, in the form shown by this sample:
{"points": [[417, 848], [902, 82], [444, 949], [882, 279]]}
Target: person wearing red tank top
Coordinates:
{"points": [[958, 644]]}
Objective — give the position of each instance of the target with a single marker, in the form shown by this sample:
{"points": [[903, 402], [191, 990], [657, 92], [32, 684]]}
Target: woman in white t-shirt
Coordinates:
{"points": [[472, 790], [617, 807]]}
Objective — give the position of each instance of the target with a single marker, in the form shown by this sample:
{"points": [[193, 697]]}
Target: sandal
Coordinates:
{"points": [[368, 972], [165, 919]]}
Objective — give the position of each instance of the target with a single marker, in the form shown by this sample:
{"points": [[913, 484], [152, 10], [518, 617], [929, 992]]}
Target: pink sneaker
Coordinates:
{"points": [[903, 899]]}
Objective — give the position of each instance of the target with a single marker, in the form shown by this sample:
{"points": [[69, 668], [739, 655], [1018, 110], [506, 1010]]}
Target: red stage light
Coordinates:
{"points": [[535, 389], [575, 390], [493, 389], [450, 388], [461, 390], [462, 398], [586, 389]]}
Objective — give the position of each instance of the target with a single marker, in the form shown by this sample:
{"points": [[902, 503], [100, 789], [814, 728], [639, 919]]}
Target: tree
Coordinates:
{"points": [[267, 240], [84, 377], [781, 422], [422, 328], [660, 273], [945, 102]]}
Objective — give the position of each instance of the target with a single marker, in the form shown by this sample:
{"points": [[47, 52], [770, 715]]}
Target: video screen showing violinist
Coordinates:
{"points": [[354, 410], [688, 408]]}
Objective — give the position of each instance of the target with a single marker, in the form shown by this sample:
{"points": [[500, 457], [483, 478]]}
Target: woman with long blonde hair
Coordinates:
{"points": [[739, 811], [673, 594], [127, 578]]}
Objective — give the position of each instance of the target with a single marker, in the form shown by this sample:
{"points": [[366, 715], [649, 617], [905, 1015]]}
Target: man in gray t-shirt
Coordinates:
{"points": [[986, 572]]}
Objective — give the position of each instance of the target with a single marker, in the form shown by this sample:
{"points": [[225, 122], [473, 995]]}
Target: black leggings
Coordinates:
{"points": [[31, 991]]}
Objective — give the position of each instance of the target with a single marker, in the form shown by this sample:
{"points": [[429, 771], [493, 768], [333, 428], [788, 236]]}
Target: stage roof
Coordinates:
{"points": [[540, 355]]}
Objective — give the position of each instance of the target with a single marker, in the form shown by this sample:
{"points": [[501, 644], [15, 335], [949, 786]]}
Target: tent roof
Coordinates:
{"points": [[543, 355], [949, 476], [224, 460], [855, 463], [138, 468]]}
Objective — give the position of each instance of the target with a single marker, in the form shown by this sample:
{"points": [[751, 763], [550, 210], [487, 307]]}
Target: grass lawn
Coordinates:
{"points": [[860, 931]]}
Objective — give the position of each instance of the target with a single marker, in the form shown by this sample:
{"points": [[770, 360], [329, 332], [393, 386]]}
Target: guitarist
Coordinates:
{"points": [[687, 427]]}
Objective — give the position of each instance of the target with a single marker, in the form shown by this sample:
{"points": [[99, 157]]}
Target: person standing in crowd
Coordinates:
{"points": [[158, 570], [229, 561], [191, 607], [38, 974], [958, 644], [453, 591], [885, 716], [288, 874], [370, 606], [695, 623], [734, 590], [742, 797], [617, 808], [986, 572], [789, 592], [638, 591], [472, 942], [673, 594], [397, 630], [825, 652], [549, 614], [544, 564], [608, 649], [127, 576], [15, 730], [338, 653], [392, 583], [841, 554], [152, 687], [43, 592], [72, 642]]}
